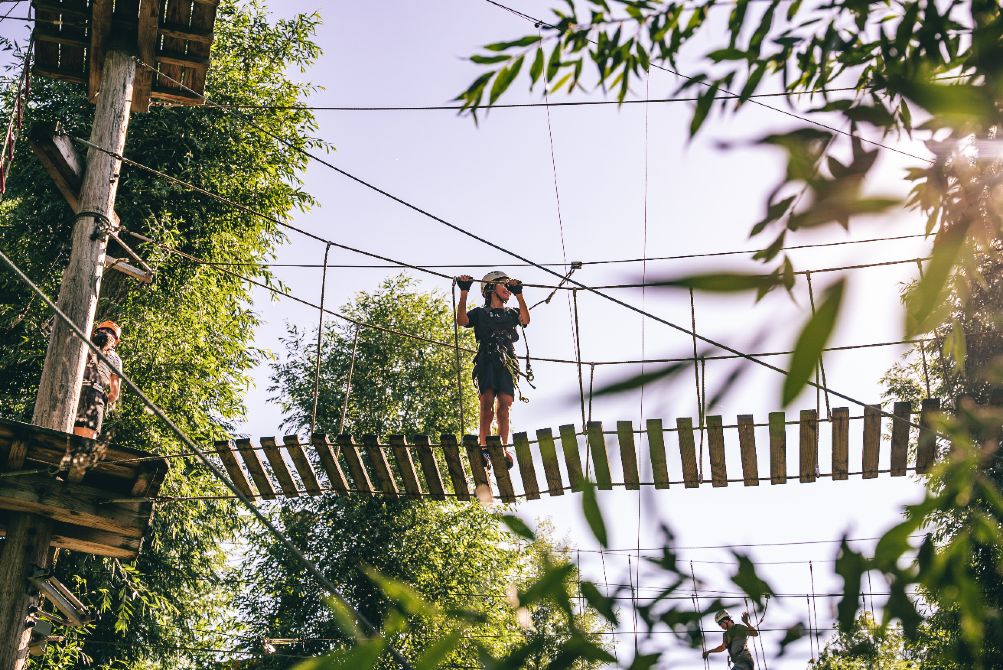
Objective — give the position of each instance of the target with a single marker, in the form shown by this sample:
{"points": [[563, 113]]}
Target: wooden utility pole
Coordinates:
{"points": [[26, 546]]}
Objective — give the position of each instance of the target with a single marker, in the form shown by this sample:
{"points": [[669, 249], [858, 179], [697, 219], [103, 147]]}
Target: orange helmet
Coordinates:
{"points": [[113, 327]]}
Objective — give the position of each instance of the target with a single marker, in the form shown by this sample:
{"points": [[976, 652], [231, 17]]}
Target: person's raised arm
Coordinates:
{"points": [[748, 624], [515, 286], [464, 282], [114, 390]]}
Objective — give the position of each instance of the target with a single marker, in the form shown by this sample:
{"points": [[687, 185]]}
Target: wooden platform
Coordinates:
{"points": [[173, 36], [85, 518], [660, 454]]}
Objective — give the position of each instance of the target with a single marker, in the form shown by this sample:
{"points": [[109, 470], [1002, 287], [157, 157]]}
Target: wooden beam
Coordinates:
{"points": [[572, 456], [252, 460], [43, 34], [747, 445], [454, 465], [146, 46], [524, 457], [778, 448], [900, 437], [872, 441], [496, 452], [482, 485], [303, 465], [233, 468], [42, 71], [926, 450], [687, 452], [182, 59], [279, 467], [628, 455], [809, 445], [353, 457], [80, 12], [656, 449], [840, 443], [101, 29], [203, 18], [177, 96], [94, 542], [405, 465], [182, 32], [548, 454], [715, 444], [328, 460], [76, 504], [429, 467], [600, 458]]}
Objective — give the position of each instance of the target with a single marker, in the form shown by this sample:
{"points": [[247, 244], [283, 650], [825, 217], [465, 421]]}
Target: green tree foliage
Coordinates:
{"points": [[454, 554], [866, 646], [187, 337]]}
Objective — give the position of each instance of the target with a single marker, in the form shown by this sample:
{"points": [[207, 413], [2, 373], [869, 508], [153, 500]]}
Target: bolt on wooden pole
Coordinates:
{"points": [[26, 545]]}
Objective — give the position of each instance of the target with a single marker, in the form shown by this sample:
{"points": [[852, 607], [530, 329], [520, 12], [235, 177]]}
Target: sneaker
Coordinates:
{"points": [[509, 460], [486, 458]]}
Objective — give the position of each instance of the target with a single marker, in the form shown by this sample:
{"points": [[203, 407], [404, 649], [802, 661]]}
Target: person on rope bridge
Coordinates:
{"points": [[736, 637], [496, 368], [101, 386]]}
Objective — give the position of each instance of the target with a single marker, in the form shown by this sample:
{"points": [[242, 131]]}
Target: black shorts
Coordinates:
{"points": [[90, 410], [743, 662], [494, 376]]}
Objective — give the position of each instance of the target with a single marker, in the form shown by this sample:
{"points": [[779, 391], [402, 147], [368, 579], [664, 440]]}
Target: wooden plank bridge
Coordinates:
{"points": [[552, 465]]}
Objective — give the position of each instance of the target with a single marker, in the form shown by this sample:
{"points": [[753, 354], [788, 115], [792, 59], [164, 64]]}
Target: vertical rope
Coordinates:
{"points": [[459, 365], [922, 349], [820, 368], [870, 591], [605, 579], [592, 379], [814, 605], [696, 378], [633, 597], [348, 383], [578, 354], [320, 335], [696, 604], [755, 649], [811, 642]]}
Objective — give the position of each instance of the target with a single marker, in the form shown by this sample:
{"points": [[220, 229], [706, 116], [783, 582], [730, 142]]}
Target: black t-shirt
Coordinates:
{"points": [[495, 330]]}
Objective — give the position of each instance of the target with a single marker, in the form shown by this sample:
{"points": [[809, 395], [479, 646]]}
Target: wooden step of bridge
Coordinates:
{"points": [[628, 457]]}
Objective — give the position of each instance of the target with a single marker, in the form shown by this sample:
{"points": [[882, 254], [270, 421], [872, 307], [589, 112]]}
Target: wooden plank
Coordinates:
{"points": [[174, 95], [94, 542], [405, 465], [52, 36], [524, 457], [75, 504], [778, 448], [177, 13], [16, 454], [40, 70], [715, 445], [71, 55], [926, 450], [381, 468], [203, 19], [46, 57], [77, 12], [600, 458], [148, 481], [233, 468], [548, 454], [628, 455], [146, 44], [100, 28], [328, 460], [809, 445], [498, 463], [279, 468], [454, 465], [182, 60], [747, 445], [872, 441], [429, 467], [572, 456], [900, 437], [182, 32], [252, 460], [656, 449], [482, 484], [303, 465], [353, 457], [688, 452], [840, 443]]}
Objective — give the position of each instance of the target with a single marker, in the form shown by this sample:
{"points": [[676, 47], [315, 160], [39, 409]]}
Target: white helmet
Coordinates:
{"points": [[721, 616], [490, 279]]}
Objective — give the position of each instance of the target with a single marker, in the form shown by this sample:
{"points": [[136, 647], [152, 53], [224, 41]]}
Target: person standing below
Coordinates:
{"points": [[736, 638], [496, 368], [101, 386]]}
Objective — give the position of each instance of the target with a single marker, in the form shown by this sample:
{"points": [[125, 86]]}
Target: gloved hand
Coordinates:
{"points": [[464, 282], [515, 286], [706, 654]]}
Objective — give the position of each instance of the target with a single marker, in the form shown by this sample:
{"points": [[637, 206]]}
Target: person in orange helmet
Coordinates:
{"points": [[101, 386]]}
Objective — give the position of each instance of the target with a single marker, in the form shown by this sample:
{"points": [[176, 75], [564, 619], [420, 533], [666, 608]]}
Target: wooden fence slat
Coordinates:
{"points": [[328, 460], [255, 468], [454, 465], [482, 484], [524, 457], [572, 457], [840, 443], [303, 465], [353, 457], [688, 452], [809, 445], [900, 438], [628, 455], [429, 467], [600, 459], [233, 468], [778, 448], [381, 468], [872, 441], [715, 442], [747, 445], [551, 468], [405, 465], [496, 452], [279, 468], [926, 451], [656, 449]]}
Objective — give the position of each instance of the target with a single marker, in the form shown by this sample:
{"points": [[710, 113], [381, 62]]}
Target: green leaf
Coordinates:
{"points": [[518, 526], [404, 595], [850, 566], [642, 379], [752, 83], [437, 652], [537, 67], [729, 53], [746, 579], [791, 635], [344, 619], [505, 77], [593, 515], [599, 602], [554, 63], [720, 282], [703, 106], [925, 303], [811, 342], [515, 44], [489, 60]]}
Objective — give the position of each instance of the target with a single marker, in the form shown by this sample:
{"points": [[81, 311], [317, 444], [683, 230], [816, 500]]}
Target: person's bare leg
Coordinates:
{"points": [[487, 416], [503, 412]]}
